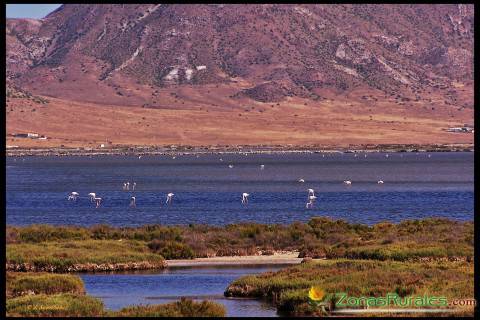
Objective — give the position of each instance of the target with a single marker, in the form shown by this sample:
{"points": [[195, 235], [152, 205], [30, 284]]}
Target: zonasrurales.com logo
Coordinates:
{"points": [[391, 302]]}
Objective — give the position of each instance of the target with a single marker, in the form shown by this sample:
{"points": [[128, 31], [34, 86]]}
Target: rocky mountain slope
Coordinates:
{"points": [[272, 74], [274, 50]]}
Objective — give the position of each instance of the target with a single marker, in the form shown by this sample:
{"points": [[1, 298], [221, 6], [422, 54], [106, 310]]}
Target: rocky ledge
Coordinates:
{"points": [[244, 291], [86, 267]]}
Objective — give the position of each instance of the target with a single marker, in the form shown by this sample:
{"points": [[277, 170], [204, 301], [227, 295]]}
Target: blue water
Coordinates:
{"points": [[208, 191], [119, 290]]}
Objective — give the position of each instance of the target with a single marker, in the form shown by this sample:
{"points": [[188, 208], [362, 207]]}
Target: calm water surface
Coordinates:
{"points": [[119, 290], [208, 191]]}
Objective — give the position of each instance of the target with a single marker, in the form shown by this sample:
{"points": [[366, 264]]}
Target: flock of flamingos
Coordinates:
{"points": [[126, 187]]}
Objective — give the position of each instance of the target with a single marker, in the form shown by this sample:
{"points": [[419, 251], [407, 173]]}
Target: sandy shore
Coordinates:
{"points": [[284, 258]]}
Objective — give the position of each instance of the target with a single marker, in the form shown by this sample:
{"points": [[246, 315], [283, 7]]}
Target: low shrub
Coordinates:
{"points": [[18, 284], [171, 249], [182, 308], [57, 305]]}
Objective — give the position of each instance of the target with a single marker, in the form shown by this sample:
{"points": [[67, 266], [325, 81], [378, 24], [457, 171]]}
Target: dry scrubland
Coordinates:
{"points": [[45, 247], [294, 121]]}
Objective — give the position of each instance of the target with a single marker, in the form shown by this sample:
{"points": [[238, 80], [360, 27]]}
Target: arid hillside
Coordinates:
{"points": [[252, 74]]}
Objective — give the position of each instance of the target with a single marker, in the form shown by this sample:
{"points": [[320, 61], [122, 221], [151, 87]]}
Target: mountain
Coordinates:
{"points": [[172, 56]]}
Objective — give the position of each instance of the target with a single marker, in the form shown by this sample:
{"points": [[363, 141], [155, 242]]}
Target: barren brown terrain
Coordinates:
{"points": [[152, 74], [293, 121]]}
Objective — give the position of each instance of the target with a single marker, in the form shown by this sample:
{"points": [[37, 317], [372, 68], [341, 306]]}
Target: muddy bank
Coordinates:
{"points": [[86, 267], [183, 150]]}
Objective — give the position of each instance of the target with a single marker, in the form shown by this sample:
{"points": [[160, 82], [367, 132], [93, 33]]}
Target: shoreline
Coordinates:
{"points": [[14, 151], [290, 258], [284, 259]]}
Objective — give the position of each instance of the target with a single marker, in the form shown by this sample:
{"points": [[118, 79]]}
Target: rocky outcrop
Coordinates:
{"points": [[354, 51], [246, 290]]}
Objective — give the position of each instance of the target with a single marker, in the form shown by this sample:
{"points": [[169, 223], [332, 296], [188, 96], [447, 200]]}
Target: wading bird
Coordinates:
{"points": [[380, 181], [311, 192], [301, 180], [73, 196], [245, 198], [92, 196], [230, 166], [134, 185], [262, 166], [132, 202], [347, 182], [311, 200], [169, 198], [97, 201]]}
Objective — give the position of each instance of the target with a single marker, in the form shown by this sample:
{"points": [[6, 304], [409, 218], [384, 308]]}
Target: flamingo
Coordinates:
{"points": [[92, 196], [245, 198], [347, 182], [97, 201], [311, 192], [132, 202], [169, 198], [311, 200], [73, 196]]}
